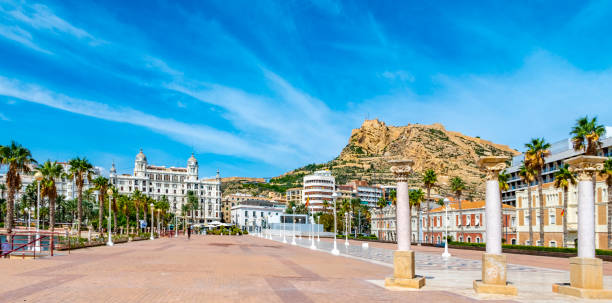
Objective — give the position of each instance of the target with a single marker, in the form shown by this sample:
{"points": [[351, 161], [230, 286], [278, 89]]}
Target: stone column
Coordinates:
{"points": [[493, 262], [403, 257], [586, 271]]}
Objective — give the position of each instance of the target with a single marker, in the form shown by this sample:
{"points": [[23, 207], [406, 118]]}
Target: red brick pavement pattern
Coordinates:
{"points": [[203, 269]]}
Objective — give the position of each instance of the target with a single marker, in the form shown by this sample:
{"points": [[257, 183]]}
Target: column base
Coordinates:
{"points": [[483, 288], [416, 282], [566, 289], [586, 280], [403, 271]]}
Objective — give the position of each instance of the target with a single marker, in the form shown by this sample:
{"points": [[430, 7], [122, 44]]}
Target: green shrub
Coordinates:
{"points": [[534, 248]]}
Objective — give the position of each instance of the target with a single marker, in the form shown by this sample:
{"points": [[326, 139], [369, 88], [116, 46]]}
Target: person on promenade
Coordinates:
{"points": [[188, 232]]}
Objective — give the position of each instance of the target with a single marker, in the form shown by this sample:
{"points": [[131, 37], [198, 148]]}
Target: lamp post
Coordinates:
{"points": [[110, 198], [175, 224], [293, 221], [38, 176], [284, 231], [347, 216], [312, 244], [446, 254], [335, 251], [152, 218], [158, 223], [318, 223]]}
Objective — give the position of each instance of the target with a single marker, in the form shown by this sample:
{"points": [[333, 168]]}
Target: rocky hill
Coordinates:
{"points": [[371, 146]]}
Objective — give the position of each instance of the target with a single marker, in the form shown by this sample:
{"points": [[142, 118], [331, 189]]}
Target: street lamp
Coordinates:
{"points": [[110, 198], [284, 232], [318, 224], [347, 216], [312, 244], [152, 219], [446, 254], [335, 251], [175, 223], [38, 176]]}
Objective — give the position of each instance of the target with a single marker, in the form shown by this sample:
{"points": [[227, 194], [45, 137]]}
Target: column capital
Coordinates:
{"points": [[401, 169], [492, 165], [585, 166]]}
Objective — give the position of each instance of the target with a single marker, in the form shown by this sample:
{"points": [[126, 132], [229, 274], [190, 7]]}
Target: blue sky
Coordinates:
{"points": [[256, 88]]}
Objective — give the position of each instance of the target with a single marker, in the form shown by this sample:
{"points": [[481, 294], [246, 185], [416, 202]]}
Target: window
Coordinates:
{"points": [[469, 239], [246, 213], [477, 240], [552, 220], [552, 243], [513, 241], [468, 220]]}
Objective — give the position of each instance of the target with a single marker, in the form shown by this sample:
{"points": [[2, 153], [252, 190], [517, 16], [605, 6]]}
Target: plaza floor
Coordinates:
{"points": [[252, 269]]}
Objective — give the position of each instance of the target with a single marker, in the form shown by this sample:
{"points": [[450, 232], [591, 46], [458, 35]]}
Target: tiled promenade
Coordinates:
{"points": [[232, 269]]}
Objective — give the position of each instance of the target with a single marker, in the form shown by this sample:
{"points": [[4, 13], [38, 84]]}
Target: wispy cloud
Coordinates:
{"points": [[22, 36], [4, 118], [204, 138]]}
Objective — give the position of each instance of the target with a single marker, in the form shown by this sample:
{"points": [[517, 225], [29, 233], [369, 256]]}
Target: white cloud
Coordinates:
{"points": [[40, 16], [401, 75], [4, 118], [22, 36], [204, 138]]}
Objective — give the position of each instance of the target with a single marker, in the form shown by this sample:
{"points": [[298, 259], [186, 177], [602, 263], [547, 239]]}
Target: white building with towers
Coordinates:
{"points": [[174, 183]]}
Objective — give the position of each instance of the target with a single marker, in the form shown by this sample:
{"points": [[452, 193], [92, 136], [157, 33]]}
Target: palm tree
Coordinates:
{"points": [[80, 170], [458, 186], [606, 172], [586, 137], [192, 201], [101, 185], [537, 151], [50, 171], [502, 180], [2, 201], [114, 206], [137, 198], [325, 205], [125, 204], [563, 178], [416, 197], [381, 203], [18, 159], [528, 175], [429, 180]]}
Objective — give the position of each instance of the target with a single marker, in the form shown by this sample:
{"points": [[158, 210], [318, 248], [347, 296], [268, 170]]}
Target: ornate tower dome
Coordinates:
{"points": [[140, 165], [192, 167]]}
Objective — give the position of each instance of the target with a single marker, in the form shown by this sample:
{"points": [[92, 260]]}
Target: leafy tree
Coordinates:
{"points": [[563, 178], [192, 201], [80, 170], [528, 175], [51, 171], [537, 151], [18, 159], [125, 204], [137, 200], [381, 203], [429, 180]]}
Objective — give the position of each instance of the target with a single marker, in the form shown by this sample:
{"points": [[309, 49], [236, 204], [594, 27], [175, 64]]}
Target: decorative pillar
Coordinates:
{"points": [[586, 271], [493, 262], [403, 257]]}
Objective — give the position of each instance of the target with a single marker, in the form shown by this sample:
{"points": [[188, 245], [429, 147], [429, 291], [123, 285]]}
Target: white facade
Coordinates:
{"points": [[174, 183], [256, 213], [318, 187], [369, 194], [65, 187]]}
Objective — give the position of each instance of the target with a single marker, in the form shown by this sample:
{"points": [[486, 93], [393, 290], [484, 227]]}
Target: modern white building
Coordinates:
{"points": [[318, 187], [559, 151], [174, 183], [256, 214]]}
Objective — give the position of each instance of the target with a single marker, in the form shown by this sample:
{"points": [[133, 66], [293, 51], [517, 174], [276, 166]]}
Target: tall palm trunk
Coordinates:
{"points": [[609, 212], [10, 211], [418, 225], [430, 237], [461, 219], [115, 222], [540, 180], [530, 214], [79, 209], [137, 217], [565, 192], [52, 213], [101, 211]]}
